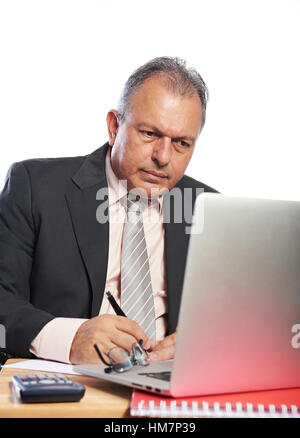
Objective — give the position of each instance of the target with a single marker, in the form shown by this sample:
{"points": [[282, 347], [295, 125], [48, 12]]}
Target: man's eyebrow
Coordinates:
{"points": [[156, 130]]}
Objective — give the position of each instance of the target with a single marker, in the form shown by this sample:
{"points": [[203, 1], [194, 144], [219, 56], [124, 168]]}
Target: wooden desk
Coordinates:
{"points": [[101, 400]]}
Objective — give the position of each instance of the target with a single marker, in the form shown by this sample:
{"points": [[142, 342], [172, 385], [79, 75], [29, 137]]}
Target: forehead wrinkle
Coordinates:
{"points": [[168, 119], [155, 105]]}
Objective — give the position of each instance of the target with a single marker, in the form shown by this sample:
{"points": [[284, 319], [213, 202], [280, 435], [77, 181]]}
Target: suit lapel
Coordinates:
{"points": [[92, 237]]}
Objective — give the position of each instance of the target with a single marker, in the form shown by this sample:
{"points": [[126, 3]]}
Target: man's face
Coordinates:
{"points": [[154, 143]]}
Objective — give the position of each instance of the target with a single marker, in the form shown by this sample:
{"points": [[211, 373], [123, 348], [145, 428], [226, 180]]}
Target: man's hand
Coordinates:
{"points": [[164, 349], [107, 331]]}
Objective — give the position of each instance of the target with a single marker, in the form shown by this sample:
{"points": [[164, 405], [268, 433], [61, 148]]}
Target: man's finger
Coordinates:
{"points": [[167, 342], [149, 344], [162, 354], [123, 339], [131, 327]]}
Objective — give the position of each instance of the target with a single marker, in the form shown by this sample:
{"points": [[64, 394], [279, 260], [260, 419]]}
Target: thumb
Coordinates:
{"points": [[149, 344]]}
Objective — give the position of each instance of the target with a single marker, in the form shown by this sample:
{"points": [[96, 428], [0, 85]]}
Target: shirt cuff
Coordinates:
{"points": [[55, 339]]}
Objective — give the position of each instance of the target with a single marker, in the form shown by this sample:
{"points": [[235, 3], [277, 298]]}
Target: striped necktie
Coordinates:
{"points": [[136, 288]]}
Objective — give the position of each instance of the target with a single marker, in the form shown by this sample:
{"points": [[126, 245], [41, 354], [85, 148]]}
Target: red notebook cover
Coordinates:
{"points": [[275, 403]]}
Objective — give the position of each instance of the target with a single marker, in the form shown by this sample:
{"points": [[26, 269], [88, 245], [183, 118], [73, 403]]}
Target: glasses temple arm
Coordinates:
{"points": [[100, 355]]}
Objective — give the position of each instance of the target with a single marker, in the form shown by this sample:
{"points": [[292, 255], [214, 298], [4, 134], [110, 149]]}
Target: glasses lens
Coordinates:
{"points": [[119, 359], [139, 356]]}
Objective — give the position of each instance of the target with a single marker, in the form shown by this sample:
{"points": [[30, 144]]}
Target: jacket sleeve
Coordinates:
{"points": [[19, 319]]}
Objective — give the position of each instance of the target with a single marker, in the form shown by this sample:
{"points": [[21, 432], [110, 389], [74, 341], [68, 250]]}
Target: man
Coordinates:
{"points": [[57, 255]]}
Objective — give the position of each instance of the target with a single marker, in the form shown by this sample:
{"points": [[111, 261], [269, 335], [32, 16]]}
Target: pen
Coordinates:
{"points": [[115, 305], [119, 312]]}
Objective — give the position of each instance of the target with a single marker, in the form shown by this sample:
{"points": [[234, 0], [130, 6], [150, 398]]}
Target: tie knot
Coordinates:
{"points": [[134, 203]]}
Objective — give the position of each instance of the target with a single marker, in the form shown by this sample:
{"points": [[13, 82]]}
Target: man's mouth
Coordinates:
{"points": [[154, 174]]}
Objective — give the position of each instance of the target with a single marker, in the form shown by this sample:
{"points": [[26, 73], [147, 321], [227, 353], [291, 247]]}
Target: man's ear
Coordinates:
{"points": [[112, 126]]}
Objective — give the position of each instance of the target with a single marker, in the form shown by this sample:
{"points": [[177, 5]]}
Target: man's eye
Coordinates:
{"points": [[183, 143], [148, 133]]}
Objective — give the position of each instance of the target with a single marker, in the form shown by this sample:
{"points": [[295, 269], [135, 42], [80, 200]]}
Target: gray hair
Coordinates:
{"points": [[182, 80]]}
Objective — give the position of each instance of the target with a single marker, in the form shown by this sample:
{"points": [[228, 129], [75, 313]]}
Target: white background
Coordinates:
{"points": [[63, 64]]}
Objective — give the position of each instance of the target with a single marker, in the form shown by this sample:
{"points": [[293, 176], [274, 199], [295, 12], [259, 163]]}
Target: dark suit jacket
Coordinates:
{"points": [[53, 251]]}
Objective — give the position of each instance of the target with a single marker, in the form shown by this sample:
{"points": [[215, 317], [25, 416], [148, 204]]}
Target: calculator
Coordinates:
{"points": [[46, 388]]}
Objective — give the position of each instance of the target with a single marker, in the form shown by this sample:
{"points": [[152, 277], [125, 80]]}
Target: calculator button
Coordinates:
{"points": [[46, 381], [60, 376]]}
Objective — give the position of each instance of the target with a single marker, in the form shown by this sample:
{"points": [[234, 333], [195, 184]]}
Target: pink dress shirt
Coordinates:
{"points": [[55, 339]]}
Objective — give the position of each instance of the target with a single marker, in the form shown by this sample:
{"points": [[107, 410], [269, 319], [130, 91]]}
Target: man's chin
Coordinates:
{"points": [[148, 190]]}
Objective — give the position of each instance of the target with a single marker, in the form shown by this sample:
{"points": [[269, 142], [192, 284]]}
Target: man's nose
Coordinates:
{"points": [[162, 151]]}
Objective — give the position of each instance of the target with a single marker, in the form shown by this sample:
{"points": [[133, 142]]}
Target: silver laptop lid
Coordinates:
{"points": [[239, 322]]}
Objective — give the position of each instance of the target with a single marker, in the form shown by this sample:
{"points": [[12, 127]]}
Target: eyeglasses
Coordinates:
{"points": [[121, 361]]}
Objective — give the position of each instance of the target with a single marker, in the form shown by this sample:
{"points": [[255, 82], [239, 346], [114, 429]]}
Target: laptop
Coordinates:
{"points": [[239, 319]]}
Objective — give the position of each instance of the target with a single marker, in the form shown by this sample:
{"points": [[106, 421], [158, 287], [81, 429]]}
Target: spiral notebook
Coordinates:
{"points": [[284, 403]]}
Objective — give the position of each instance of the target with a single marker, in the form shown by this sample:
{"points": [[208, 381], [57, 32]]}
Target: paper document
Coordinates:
{"points": [[43, 365]]}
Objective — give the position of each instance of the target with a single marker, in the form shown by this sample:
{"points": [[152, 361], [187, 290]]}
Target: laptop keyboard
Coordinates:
{"points": [[162, 375]]}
